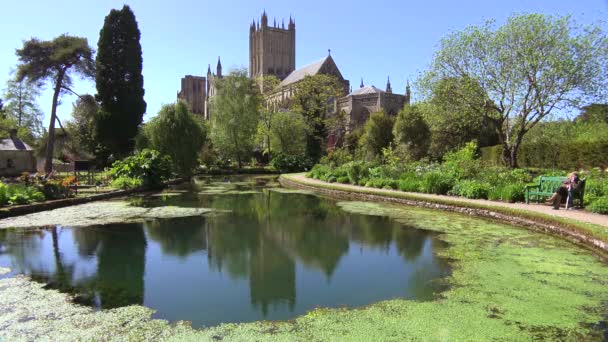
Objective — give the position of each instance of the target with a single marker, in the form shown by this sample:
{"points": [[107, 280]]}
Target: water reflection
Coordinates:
{"points": [[274, 256]]}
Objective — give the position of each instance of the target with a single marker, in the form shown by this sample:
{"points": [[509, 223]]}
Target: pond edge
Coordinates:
{"points": [[19, 210], [527, 219]]}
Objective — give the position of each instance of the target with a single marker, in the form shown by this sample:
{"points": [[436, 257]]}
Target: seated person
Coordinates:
{"points": [[565, 190]]}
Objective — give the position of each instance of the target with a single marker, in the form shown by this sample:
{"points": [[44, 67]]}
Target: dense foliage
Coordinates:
{"points": [[377, 134], [313, 100], [177, 133], [291, 162], [146, 168], [235, 117], [119, 81], [412, 133], [519, 73]]}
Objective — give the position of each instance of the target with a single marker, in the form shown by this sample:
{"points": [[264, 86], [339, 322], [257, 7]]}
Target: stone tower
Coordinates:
{"points": [[194, 93], [272, 49]]}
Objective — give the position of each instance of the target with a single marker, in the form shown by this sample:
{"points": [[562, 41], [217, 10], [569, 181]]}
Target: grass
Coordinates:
{"points": [[588, 229]]}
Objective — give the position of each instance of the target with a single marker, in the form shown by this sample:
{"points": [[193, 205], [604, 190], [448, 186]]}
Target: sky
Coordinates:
{"points": [[368, 39]]}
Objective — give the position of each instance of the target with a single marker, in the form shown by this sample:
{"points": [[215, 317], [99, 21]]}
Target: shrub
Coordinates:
{"points": [[126, 183], [600, 205], [3, 194], [437, 182], [331, 179], [463, 163], [21, 194], [343, 180], [319, 171], [291, 163], [149, 166], [54, 190], [471, 189], [508, 192], [409, 185], [337, 157], [356, 170]]}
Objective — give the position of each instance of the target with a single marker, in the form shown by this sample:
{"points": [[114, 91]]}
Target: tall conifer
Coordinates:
{"points": [[120, 83]]}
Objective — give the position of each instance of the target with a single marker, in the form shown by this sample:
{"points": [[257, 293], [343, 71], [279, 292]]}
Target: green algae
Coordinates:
{"points": [[507, 284], [291, 191], [102, 212], [4, 271]]}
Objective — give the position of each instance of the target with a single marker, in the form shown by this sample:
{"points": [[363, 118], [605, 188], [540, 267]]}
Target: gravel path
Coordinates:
{"points": [[578, 214]]}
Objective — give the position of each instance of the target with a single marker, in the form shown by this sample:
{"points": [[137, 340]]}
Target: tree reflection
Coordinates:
{"points": [[260, 239]]}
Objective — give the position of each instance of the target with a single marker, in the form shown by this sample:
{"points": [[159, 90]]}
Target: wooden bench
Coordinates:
{"points": [[547, 186]]}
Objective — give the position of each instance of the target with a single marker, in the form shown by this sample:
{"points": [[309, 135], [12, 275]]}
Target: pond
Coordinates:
{"points": [[262, 253]]}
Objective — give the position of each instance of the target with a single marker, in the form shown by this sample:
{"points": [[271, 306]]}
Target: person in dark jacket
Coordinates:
{"points": [[566, 190]]}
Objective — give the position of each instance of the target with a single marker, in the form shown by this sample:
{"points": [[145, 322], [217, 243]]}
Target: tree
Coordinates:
{"points": [[236, 107], [314, 99], [54, 60], [527, 69], [119, 81], [82, 128], [176, 132], [411, 132], [268, 83], [452, 123], [377, 134], [288, 133], [21, 105], [595, 112]]}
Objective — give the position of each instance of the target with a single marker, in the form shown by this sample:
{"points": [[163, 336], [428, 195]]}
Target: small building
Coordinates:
{"points": [[16, 156], [359, 104]]}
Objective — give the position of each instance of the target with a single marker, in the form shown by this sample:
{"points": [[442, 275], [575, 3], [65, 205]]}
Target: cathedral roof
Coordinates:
{"points": [[366, 90], [309, 70]]}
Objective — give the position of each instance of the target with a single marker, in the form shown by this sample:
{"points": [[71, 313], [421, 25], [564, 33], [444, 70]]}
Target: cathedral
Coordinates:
{"points": [[272, 51]]}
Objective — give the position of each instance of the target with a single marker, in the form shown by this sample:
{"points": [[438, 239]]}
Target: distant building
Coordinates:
{"points": [[272, 49], [16, 156], [359, 104], [286, 89], [197, 91], [194, 93]]}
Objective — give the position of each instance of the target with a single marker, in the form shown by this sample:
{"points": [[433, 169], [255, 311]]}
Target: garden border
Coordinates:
{"points": [[19, 210], [527, 219]]}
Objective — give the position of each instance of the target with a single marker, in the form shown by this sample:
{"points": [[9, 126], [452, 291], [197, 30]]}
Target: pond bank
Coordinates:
{"points": [[19, 210], [507, 284], [586, 229]]}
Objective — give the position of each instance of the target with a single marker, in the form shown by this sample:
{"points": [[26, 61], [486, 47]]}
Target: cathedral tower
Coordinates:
{"points": [[272, 49]]}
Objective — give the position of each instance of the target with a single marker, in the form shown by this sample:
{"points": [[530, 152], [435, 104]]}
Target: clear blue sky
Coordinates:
{"points": [[369, 39]]}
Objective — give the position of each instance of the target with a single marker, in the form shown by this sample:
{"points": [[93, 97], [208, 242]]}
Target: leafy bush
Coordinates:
{"points": [[356, 170], [291, 163], [508, 192], [471, 189], [343, 180], [3, 194], [319, 172], [22, 194], [126, 183], [54, 190], [436, 182], [462, 163], [409, 183], [337, 157], [600, 205], [149, 166]]}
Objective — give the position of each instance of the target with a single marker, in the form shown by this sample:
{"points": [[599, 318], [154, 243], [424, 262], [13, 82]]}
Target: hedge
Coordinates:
{"points": [[563, 155]]}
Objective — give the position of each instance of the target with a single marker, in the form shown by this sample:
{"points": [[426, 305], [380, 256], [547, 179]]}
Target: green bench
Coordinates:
{"points": [[547, 186]]}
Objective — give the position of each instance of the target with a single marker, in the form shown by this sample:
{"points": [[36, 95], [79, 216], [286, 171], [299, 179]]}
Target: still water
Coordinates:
{"points": [[265, 255]]}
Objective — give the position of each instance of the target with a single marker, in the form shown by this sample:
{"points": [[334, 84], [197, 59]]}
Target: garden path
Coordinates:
{"points": [[578, 214]]}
